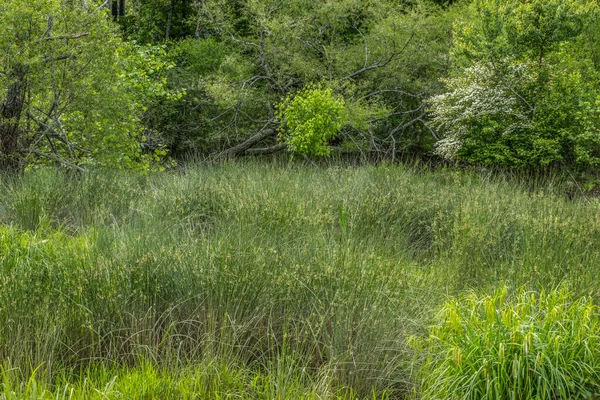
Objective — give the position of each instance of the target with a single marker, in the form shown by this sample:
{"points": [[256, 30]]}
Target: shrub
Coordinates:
{"points": [[524, 346], [588, 141], [311, 118], [481, 117]]}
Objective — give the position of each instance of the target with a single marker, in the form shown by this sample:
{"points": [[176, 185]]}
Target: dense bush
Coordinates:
{"points": [[311, 118]]}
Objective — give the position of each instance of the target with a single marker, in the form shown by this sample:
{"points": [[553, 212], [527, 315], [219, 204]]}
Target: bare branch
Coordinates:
{"points": [[380, 64], [48, 29], [404, 126], [59, 58], [366, 45], [245, 145], [509, 87], [69, 37], [245, 42], [52, 157], [435, 136], [101, 6], [265, 150], [48, 131], [391, 91]]}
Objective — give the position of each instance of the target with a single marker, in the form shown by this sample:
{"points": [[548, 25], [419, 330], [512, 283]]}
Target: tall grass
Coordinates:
{"points": [[520, 347], [306, 279]]}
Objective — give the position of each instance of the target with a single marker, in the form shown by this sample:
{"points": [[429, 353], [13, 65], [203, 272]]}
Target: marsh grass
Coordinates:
{"points": [[310, 279]]}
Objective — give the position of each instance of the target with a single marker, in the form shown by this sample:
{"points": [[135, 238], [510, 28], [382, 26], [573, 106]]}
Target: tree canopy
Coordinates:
{"points": [[72, 91], [512, 83], [524, 86]]}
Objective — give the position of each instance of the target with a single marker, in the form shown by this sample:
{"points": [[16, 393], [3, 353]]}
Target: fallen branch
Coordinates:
{"points": [[244, 146], [265, 150], [73, 36], [52, 157]]}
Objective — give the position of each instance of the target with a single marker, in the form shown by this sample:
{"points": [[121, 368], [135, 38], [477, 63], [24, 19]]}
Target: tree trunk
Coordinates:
{"points": [[10, 118], [170, 20]]}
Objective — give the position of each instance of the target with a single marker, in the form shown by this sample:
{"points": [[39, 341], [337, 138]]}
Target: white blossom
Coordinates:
{"points": [[479, 92]]}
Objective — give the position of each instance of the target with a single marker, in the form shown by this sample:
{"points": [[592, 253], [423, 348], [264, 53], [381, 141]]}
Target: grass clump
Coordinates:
{"points": [[518, 347]]}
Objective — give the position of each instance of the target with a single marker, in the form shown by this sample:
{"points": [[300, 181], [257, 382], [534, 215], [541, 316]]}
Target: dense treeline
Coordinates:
{"points": [[513, 83], [490, 82], [237, 60]]}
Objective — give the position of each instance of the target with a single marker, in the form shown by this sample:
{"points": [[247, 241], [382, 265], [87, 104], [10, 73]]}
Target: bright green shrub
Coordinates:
{"points": [[311, 118], [525, 346]]}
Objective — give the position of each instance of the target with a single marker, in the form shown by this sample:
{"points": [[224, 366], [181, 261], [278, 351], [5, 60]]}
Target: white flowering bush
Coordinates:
{"points": [[479, 99], [525, 89]]}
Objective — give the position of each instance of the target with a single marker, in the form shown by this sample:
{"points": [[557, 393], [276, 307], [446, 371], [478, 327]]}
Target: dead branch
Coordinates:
{"points": [[265, 150], [50, 132], [396, 91], [49, 28], [245, 145], [69, 37], [59, 58], [379, 64], [402, 127], [101, 6], [52, 157]]}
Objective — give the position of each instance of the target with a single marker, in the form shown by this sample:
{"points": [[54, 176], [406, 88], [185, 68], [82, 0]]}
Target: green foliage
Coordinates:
{"points": [[382, 57], [154, 21], [216, 106], [521, 347], [529, 29], [207, 379], [311, 118], [107, 119], [85, 88], [524, 81], [588, 141], [79, 249]]}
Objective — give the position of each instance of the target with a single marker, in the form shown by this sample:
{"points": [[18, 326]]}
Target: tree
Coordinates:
{"points": [[154, 21], [71, 90]]}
